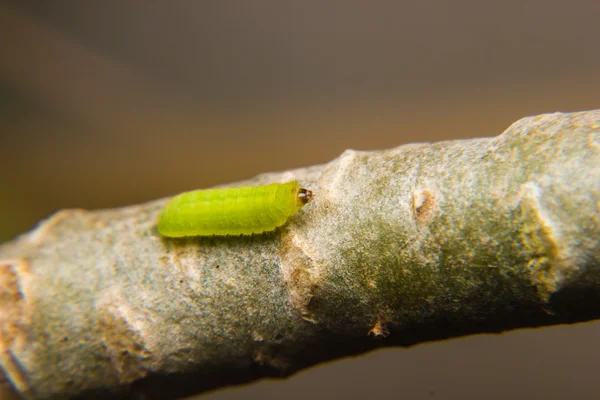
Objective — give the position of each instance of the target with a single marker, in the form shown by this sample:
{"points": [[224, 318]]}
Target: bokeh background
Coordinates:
{"points": [[115, 102]]}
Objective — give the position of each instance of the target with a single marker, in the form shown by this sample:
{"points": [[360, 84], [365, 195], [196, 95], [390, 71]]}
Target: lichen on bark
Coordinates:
{"points": [[399, 246]]}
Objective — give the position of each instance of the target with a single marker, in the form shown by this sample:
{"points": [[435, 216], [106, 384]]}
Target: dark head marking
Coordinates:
{"points": [[305, 195]]}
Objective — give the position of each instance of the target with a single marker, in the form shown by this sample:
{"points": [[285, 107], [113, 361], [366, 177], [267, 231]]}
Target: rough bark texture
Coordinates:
{"points": [[400, 246]]}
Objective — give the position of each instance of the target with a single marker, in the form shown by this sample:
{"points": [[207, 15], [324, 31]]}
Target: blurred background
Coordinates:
{"points": [[115, 102]]}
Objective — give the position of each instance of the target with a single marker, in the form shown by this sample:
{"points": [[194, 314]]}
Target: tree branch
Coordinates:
{"points": [[417, 243]]}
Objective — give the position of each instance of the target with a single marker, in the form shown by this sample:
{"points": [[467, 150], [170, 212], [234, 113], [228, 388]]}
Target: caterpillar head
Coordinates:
{"points": [[304, 196]]}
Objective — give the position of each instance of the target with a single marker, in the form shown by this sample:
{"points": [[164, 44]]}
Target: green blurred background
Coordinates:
{"points": [[110, 103]]}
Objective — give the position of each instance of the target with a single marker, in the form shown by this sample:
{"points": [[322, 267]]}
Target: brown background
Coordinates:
{"points": [[109, 103]]}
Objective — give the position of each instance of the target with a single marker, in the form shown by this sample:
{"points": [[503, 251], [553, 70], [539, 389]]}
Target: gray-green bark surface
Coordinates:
{"points": [[400, 246]]}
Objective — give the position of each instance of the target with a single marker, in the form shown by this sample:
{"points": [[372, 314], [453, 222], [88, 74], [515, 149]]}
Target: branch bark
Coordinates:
{"points": [[401, 246]]}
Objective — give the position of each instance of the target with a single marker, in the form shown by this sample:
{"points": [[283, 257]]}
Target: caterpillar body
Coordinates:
{"points": [[236, 211]]}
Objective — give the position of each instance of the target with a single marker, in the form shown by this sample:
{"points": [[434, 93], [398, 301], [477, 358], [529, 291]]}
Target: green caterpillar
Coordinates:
{"points": [[236, 211]]}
